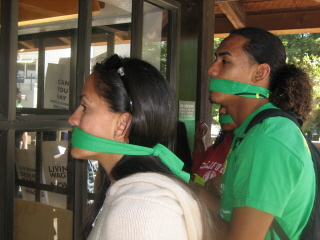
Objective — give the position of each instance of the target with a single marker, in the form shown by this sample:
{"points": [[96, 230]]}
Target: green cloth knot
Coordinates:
{"points": [[158, 150]]}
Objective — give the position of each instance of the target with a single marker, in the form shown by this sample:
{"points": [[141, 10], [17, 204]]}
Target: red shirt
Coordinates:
{"points": [[210, 164]]}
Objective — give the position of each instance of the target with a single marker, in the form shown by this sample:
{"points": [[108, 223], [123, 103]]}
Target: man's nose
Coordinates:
{"points": [[213, 71]]}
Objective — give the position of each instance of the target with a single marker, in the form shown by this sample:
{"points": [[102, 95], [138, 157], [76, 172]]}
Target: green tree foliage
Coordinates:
{"points": [[150, 52], [303, 50]]}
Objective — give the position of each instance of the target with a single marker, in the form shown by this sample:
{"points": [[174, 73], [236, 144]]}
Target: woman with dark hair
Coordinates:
{"points": [[127, 109], [208, 164], [269, 174]]}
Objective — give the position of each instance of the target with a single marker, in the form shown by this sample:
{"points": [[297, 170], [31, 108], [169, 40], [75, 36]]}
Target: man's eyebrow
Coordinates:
{"points": [[220, 54], [82, 96]]}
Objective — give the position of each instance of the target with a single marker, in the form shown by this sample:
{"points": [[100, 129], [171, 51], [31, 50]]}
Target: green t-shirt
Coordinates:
{"points": [[270, 170]]}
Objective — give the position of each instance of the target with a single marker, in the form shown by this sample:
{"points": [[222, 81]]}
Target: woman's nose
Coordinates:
{"points": [[213, 71], [222, 110], [74, 118]]}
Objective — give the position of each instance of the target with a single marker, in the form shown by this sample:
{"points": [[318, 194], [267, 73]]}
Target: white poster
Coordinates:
{"points": [[26, 170], [56, 94], [55, 161], [54, 171]]}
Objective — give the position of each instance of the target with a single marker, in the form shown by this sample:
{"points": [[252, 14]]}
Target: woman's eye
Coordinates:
{"points": [[84, 107]]}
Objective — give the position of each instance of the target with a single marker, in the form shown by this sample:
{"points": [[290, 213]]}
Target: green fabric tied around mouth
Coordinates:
{"points": [[83, 140], [224, 118], [238, 88]]}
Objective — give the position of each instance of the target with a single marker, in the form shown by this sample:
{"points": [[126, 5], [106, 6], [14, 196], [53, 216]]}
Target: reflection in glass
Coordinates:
{"points": [[57, 73], [155, 34], [42, 163], [111, 30], [27, 78], [50, 167], [54, 165], [44, 50], [54, 71], [26, 166]]}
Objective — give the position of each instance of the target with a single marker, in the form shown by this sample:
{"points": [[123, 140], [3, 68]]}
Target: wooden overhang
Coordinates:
{"points": [[277, 16]]}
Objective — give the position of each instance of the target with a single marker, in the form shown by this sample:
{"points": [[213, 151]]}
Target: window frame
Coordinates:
{"points": [[40, 119]]}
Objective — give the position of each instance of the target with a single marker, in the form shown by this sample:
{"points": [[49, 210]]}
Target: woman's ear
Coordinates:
{"points": [[262, 73], [122, 126]]}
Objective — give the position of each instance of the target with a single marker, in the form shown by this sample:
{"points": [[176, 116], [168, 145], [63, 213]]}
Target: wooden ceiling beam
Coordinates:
{"points": [[65, 40], [35, 9], [234, 12], [278, 23], [30, 9], [27, 45]]}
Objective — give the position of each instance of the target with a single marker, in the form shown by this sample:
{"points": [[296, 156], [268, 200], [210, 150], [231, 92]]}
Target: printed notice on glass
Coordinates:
{"points": [[56, 94], [187, 110]]}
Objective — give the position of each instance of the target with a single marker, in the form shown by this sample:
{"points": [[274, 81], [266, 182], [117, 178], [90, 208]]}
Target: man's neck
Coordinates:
{"points": [[239, 112]]}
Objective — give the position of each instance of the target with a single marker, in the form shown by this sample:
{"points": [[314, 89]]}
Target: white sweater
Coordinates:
{"points": [[147, 206]]}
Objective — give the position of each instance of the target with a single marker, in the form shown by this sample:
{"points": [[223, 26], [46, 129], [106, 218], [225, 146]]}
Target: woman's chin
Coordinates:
{"points": [[81, 153]]}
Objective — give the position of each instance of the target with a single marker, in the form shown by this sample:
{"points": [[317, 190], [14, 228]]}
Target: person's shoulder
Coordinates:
{"points": [[140, 206], [152, 188], [276, 127], [150, 199], [151, 183], [279, 133], [155, 180]]}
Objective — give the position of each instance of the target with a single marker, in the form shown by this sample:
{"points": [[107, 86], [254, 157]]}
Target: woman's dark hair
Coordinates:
{"points": [[290, 86], [219, 138], [152, 100], [140, 89]]}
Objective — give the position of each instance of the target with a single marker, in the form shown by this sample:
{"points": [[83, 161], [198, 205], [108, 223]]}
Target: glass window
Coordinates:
{"points": [[155, 36], [111, 30], [46, 164], [46, 33], [57, 73], [41, 191], [47, 37]]}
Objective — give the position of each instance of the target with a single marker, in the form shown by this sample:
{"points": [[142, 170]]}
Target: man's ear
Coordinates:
{"points": [[122, 126], [262, 73]]}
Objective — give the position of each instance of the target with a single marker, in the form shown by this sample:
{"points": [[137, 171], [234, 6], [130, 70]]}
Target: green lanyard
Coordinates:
{"points": [[238, 88], [83, 140]]}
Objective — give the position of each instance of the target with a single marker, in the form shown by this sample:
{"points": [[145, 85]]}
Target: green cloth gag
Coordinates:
{"points": [[224, 118], [238, 88], [83, 140]]}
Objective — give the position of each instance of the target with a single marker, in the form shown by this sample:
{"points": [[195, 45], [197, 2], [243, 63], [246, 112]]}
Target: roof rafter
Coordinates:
{"points": [[27, 45], [234, 12], [65, 40], [296, 22]]}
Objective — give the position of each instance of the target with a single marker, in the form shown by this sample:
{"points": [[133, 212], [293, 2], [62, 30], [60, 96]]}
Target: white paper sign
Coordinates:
{"points": [[26, 170], [57, 85], [55, 161]]}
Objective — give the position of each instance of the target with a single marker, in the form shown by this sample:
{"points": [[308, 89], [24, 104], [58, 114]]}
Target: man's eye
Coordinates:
{"points": [[224, 62]]}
